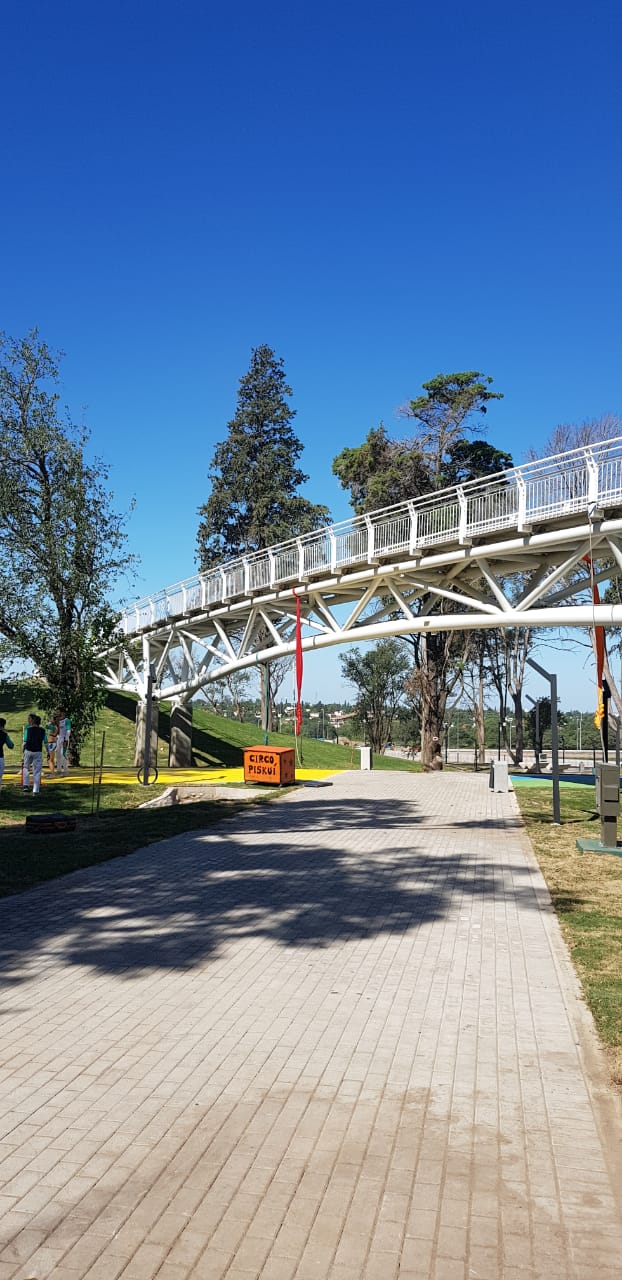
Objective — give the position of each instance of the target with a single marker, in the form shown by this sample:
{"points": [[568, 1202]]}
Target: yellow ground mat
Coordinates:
{"points": [[166, 777]]}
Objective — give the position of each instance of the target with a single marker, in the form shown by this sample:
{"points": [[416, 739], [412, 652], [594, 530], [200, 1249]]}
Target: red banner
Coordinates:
{"points": [[298, 670]]}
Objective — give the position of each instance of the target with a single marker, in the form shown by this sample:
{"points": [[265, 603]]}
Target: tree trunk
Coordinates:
{"points": [[266, 701], [433, 704], [519, 741], [478, 712]]}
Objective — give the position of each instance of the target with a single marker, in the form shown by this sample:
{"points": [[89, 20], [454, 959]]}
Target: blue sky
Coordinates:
{"points": [[380, 192]]}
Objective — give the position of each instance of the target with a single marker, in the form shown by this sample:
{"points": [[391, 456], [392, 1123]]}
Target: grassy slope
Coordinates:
{"points": [[217, 741], [586, 889]]}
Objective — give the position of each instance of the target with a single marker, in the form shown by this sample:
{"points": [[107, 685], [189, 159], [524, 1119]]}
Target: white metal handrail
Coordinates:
{"points": [[581, 480]]}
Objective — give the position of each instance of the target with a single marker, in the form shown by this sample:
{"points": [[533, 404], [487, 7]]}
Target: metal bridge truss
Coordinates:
{"points": [[523, 548]]}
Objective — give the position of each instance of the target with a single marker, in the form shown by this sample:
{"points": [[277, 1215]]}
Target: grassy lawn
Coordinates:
{"points": [[27, 858], [216, 740], [120, 827], [586, 889]]}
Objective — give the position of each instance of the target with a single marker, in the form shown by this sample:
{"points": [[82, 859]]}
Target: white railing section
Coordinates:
{"points": [[587, 480]]}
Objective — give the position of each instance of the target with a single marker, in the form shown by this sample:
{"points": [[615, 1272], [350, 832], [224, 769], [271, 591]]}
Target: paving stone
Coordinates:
{"points": [[337, 1036]]}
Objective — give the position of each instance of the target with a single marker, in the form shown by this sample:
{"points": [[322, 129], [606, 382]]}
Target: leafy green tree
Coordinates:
{"points": [[62, 547], [452, 406], [381, 472], [254, 476], [379, 677], [474, 460], [439, 660]]}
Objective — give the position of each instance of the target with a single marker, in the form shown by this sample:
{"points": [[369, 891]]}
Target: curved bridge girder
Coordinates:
{"points": [[535, 577]]}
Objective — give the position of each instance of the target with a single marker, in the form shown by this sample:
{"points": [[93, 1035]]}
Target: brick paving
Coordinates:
{"points": [[338, 1037]]}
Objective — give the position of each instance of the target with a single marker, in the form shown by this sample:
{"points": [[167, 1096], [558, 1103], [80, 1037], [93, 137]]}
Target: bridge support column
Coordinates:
{"points": [[180, 752], [139, 741]]}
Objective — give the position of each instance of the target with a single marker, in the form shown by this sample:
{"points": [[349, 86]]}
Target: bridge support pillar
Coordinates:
{"points": [[139, 740], [180, 752]]}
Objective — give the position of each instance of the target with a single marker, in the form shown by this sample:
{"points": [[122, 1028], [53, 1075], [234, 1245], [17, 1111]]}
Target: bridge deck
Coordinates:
{"points": [[546, 494]]}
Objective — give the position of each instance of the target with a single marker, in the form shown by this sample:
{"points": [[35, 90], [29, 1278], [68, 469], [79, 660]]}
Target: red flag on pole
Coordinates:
{"points": [[298, 670]]}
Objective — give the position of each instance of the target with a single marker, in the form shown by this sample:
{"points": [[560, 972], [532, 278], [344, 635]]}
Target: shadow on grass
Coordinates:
{"points": [[122, 705], [566, 902], [545, 817], [215, 750], [177, 903]]}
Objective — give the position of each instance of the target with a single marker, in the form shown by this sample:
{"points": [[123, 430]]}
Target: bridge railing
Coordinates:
{"points": [[582, 480]]}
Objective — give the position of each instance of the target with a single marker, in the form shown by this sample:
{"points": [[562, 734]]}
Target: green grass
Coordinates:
{"points": [[218, 742], [586, 889], [28, 858]]}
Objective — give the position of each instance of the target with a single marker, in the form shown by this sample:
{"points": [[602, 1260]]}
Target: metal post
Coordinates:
{"points": [[555, 751], [266, 687], [605, 724], [101, 769], [148, 709], [552, 679]]}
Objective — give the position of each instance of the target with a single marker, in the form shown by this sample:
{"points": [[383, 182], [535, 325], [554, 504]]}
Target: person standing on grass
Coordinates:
{"points": [[5, 741], [35, 738], [62, 742], [52, 731]]}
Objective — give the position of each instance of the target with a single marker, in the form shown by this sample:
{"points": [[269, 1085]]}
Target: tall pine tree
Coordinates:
{"points": [[254, 500]]}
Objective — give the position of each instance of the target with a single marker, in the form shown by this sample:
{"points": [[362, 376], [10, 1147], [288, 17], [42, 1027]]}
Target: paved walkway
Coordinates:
{"points": [[340, 1037]]}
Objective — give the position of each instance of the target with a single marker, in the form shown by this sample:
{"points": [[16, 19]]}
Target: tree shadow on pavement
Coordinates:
{"points": [[304, 874]]}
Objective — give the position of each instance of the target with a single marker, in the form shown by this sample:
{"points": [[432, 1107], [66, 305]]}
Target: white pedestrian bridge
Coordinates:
{"points": [[524, 548]]}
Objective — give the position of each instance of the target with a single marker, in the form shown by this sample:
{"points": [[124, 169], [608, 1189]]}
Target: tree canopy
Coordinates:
{"points": [[474, 460], [62, 545], [379, 677], [452, 405], [254, 476], [381, 471]]}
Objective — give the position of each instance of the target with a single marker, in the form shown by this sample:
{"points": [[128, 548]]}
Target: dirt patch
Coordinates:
{"points": [[191, 795]]}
